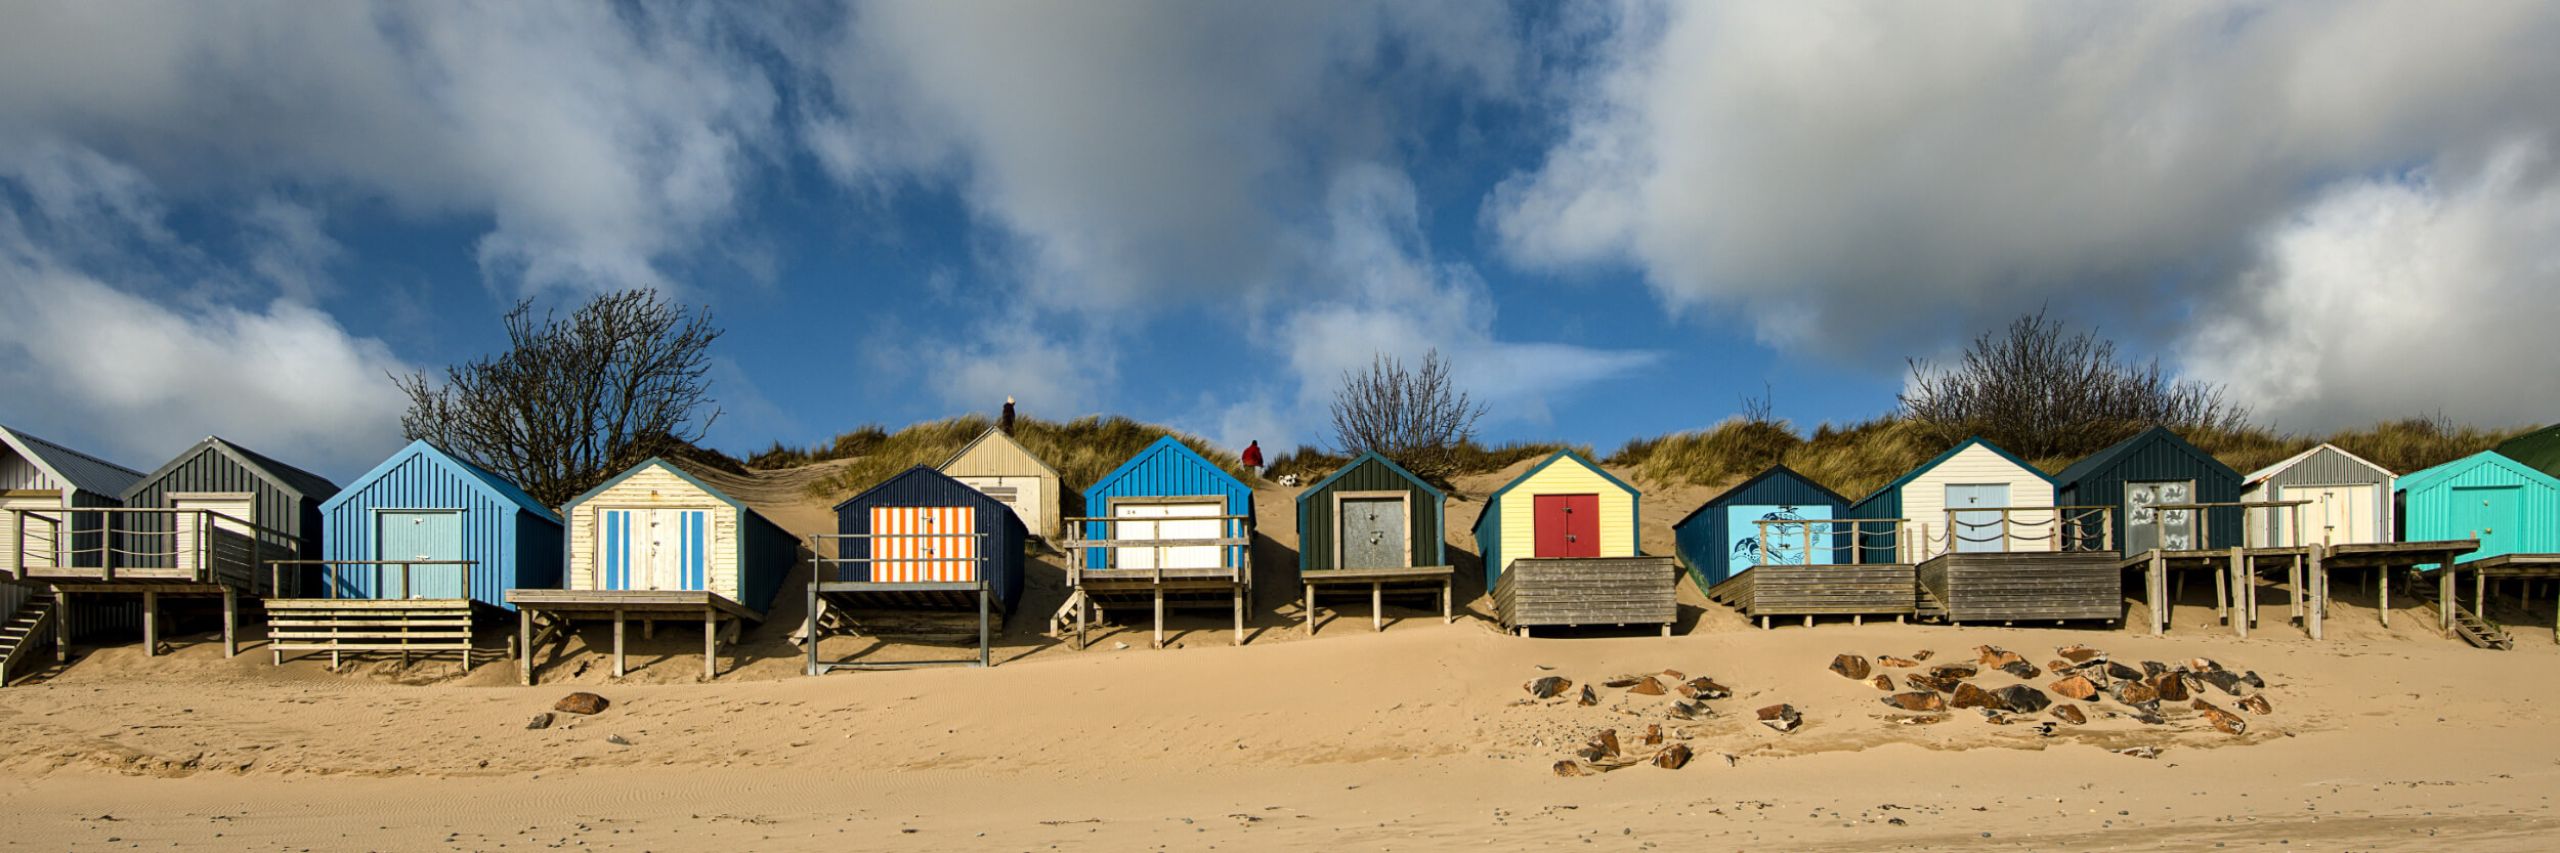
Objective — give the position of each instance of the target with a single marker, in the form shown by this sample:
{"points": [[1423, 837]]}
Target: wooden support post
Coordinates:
{"points": [[1808, 620], [62, 626], [2319, 594], [986, 637], [2480, 594], [1377, 607], [1764, 623], [1666, 629], [230, 623], [618, 623], [2293, 580], [1239, 594], [1448, 586], [1083, 607], [2222, 594], [524, 646], [1524, 630], [150, 623], [2244, 592], [2446, 600], [1310, 613], [2157, 591], [710, 643], [1159, 613], [2382, 580], [809, 628], [648, 628]]}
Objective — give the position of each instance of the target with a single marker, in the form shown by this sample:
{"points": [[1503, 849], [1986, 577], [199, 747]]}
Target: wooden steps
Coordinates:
{"points": [[2466, 624], [27, 630], [340, 626]]}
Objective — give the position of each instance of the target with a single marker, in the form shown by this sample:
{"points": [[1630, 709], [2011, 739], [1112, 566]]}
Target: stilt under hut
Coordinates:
{"points": [[52, 528], [1990, 543], [1166, 528], [1001, 467], [1372, 524], [657, 544], [215, 521], [2179, 512], [2341, 507], [919, 540], [1560, 548], [2507, 510], [415, 549], [1780, 544]]}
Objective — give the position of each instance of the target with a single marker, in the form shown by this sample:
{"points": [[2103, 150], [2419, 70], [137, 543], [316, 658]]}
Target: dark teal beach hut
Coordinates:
{"points": [[1722, 537], [2154, 469]]}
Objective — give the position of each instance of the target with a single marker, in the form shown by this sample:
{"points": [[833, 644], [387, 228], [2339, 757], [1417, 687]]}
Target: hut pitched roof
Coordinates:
{"points": [[300, 483], [1542, 465], [2261, 475], [2116, 452], [1940, 459], [1773, 472], [494, 486], [998, 440], [74, 468]]}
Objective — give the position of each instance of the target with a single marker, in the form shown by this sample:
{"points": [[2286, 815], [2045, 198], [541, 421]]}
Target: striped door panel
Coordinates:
{"points": [[655, 549], [924, 544]]}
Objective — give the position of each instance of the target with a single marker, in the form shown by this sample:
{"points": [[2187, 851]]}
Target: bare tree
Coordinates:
{"points": [[1416, 417], [573, 401], [2045, 392]]}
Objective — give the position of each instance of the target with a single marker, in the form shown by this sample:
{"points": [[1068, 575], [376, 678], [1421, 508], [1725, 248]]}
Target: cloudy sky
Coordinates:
{"points": [[1618, 219]]}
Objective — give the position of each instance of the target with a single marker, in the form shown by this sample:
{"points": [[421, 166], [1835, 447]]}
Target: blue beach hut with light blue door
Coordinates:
{"points": [[659, 544], [482, 534]]}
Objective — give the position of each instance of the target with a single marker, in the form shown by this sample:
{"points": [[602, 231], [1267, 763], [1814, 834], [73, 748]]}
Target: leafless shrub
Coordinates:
{"points": [[572, 402], [1418, 418], [2042, 390]]}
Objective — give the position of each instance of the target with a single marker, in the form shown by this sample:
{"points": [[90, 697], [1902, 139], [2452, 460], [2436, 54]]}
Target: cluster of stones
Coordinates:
{"points": [[1605, 751], [2084, 675]]}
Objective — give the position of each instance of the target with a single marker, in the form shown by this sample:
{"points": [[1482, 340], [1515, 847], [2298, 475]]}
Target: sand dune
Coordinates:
{"points": [[1419, 738]]}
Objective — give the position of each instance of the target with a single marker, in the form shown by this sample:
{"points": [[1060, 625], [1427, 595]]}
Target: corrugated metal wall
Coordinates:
{"points": [[207, 469], [2428, 513], [1166, 469], [512, 548], [1704, 539], [1318, 527], [2157, 459], [2327, 467], [1883, 547], [921, 487]]}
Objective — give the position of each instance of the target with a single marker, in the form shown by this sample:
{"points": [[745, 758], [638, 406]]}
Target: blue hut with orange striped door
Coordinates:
{"points": [[920, 540], [1166, 528]]}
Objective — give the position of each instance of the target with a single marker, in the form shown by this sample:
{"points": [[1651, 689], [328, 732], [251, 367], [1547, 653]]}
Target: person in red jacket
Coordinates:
{"points": [[1253, 457]]}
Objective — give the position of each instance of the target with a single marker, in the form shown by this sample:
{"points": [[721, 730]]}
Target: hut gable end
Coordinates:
{"points": [[1319, 522]]}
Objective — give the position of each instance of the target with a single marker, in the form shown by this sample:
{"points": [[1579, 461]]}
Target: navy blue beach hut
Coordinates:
{"points": [[920, 540], [426, 505], [1723, 538], [1167, 525]]}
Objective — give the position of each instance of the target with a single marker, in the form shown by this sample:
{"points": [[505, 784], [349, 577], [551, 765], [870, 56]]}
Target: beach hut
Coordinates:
{"points": [[45, 537], [2346, 500], [1991, 544], [920, 539], [2539, 449], [2155, 480], [1373, 524], [2508, 506], [1001, 467], [1780, 544], [414, 547], [1560, 548], [1167, 528], [657, 543], [223, 515]]}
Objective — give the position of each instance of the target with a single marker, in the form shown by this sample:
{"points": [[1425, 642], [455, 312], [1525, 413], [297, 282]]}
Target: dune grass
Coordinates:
{"points": [[1083, 450], [1314, 463]]}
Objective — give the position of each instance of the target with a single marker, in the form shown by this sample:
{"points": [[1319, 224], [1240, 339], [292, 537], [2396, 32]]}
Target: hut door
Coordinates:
{"points": [[655, 549], [1184, 520], [924, 544], [227, 549], [1973, 518], [1373, 533], [1567, 526], [2147, 526], [1021, 494], [2334, 515], [2487, 513], [421, 535], [40, 534]]}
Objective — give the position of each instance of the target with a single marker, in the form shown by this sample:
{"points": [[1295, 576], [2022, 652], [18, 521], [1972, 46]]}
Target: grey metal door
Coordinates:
{"points": [[2147, 526], [1373, 533]]}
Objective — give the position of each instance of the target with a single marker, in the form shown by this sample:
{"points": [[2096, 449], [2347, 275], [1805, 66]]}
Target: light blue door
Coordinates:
{"points": [[421, 535], [1975, 524], [2489, 514]]}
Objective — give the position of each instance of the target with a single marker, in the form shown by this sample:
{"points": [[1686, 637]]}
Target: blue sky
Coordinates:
{"points": [[1617, 218]]}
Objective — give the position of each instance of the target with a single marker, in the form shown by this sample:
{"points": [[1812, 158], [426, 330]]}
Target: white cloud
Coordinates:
{"points": [[2399, 297], [600, 141], [1869, 177]]}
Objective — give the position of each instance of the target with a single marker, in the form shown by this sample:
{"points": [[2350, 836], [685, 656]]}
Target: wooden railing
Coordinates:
{"points": [[333, 576], [1859, 532], [2267, 510], [1234, 542], [217, 548], [2066, 528]]}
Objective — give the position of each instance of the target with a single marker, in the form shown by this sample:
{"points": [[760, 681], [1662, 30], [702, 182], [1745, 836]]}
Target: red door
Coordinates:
{"points": [[1568, 525]]}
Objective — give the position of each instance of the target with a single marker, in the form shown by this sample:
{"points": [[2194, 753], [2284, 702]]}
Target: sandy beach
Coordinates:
{"points": [[1417, 738]]}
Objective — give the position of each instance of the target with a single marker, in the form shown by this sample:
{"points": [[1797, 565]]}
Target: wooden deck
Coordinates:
{"points": [[544, 614], [151, 590], [1588, 591], [1423, 580], [2235, 574], [1103, 589], [2470, 623], [830, 601], [2059, 586], [1853, 590], [340, 626]]}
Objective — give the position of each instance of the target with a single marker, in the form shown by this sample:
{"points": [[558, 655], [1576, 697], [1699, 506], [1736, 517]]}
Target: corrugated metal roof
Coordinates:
{"points": [[83, 471], [497, 486], [1746, 487], [295, 481], [2261, 475], [2539, 448]]}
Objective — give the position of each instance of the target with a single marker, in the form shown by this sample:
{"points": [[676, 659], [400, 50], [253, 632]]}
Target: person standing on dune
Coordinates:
{"points": [[1253, 458]]}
